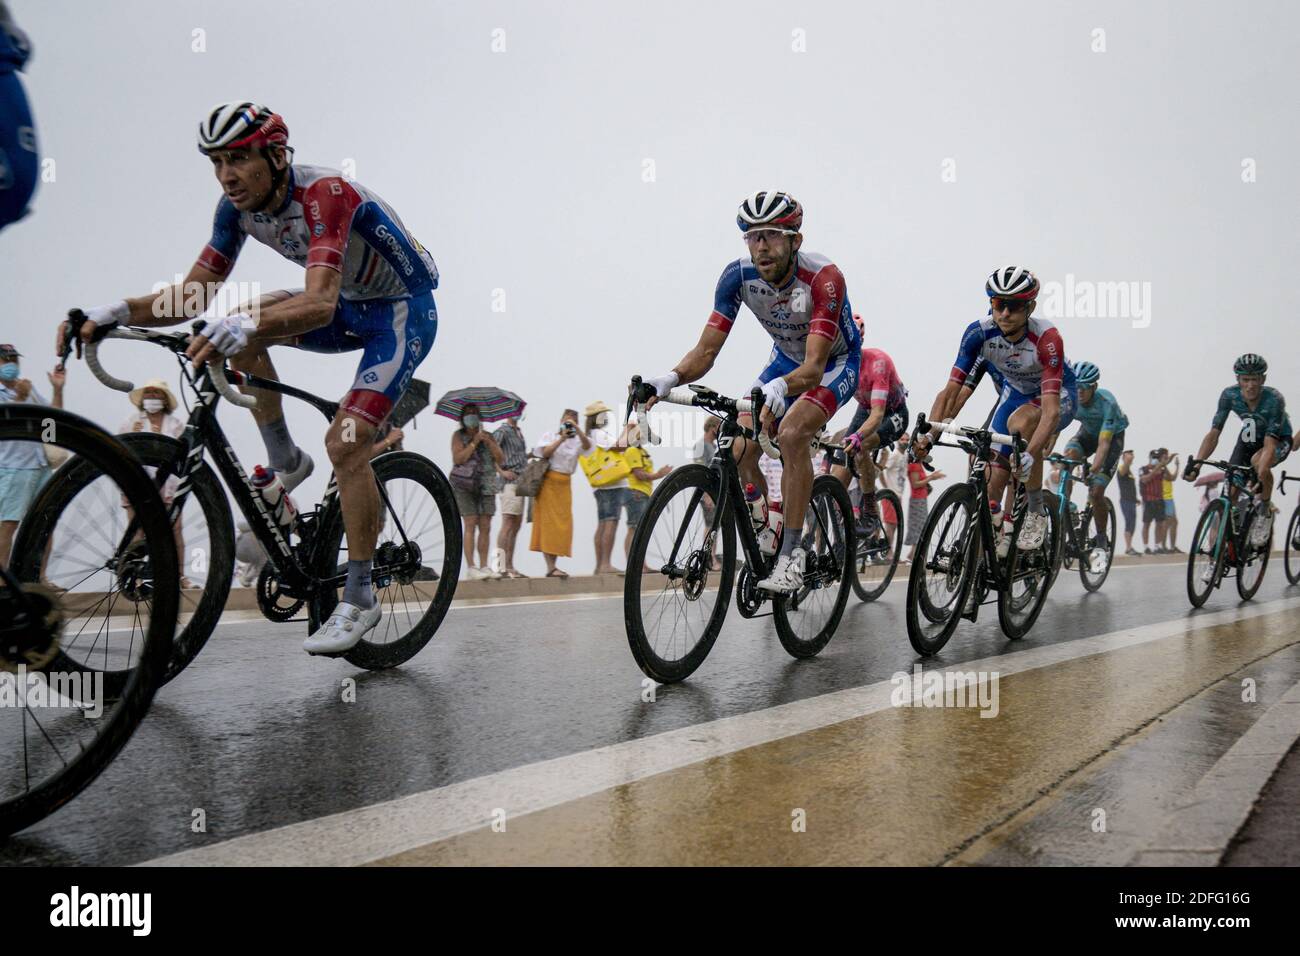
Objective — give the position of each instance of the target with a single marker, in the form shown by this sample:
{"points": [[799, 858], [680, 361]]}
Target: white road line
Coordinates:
{"points": [[369, 833]]}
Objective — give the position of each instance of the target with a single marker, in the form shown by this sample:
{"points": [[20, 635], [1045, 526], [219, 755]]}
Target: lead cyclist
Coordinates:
{"points": [[369, 286]]}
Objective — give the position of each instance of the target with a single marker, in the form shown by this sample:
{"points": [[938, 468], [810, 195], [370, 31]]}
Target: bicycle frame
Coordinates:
{"points": [[1071, 535], [204, 433]]}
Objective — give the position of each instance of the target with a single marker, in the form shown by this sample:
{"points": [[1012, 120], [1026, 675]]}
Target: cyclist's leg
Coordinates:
{"points": [[1100, 479], [746, 452], [282, 453], [1269, 454], [1014, 412], [397, 335], [803, 419]]}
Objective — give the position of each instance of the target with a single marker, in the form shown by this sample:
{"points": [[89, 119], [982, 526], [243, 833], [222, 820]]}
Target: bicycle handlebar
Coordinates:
{"points": [[965, 431], [216, 372]]}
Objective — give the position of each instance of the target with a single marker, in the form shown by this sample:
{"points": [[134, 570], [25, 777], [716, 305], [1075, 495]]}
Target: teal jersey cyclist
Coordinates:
{"points": [[1265, 438], [1101, 434], [368, 288]]}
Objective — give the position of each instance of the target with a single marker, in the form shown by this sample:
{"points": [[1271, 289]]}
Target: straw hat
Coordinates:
{"points": [[596, 407], [137, 396]]}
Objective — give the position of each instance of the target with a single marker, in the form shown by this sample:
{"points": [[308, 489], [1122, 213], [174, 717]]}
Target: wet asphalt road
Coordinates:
{"points": [[256, 734]]}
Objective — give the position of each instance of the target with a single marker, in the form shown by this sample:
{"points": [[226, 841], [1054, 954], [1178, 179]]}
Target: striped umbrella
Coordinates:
{"points": [[494, 404]]}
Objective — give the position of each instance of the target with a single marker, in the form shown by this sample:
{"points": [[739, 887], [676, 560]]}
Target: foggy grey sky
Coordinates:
{"points": [[524, 171]]}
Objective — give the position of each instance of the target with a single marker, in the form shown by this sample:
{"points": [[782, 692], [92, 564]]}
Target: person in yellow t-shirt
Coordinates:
{"points": [[640, 485]]}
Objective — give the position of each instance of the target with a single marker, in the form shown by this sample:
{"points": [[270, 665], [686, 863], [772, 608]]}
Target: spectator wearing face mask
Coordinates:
{"points": [[553, 511], [155, 404], [23, 464], [609, 497], [476, 460]]}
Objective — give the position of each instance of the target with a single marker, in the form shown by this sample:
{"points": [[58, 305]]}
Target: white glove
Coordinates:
{"points": [[664, 383], [230, 334], [774, 396], [107, 316]]}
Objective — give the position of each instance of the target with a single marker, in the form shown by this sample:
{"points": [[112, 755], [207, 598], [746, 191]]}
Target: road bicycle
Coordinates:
{"points": [[1077, 539], [416, 560], [1222, 542], [58, 609], [957, 562], [1291, 554], [877, 554], [675, 601]]}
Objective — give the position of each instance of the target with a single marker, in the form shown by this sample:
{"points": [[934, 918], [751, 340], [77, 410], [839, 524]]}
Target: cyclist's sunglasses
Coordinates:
{"points": [[753, 235], [997, 304]]}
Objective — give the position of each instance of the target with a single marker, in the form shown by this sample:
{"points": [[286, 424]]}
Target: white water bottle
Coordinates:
{"points": [[770, 540], [271, 490]]}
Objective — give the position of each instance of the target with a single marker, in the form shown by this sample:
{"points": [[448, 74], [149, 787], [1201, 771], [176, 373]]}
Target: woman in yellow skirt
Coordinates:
{"points": [[553, 511]]}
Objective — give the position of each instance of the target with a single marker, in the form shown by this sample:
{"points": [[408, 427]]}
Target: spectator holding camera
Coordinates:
{"points": [[476, 458], [553, 510]]}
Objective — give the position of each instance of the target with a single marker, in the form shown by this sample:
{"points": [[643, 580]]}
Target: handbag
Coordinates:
{"points": [[604, 466], [529, 481], [465, 476]]}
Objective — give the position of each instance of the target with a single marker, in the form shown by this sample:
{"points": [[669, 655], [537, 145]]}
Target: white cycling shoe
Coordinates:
{"points": [[292, 479], [787, 576], [344, 629], [1033, 529]]}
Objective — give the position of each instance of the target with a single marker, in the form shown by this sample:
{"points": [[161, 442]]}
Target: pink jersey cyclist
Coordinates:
{"points": [[879, 386]]}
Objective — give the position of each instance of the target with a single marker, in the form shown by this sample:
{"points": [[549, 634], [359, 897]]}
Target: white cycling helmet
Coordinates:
{"points": [[770, 208], [241, 124], [1012, 282]]}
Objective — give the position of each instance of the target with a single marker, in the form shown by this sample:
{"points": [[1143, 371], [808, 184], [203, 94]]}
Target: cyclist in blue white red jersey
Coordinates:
{"points": [[369, 287], [1038, 393], [799, 299], [1101, 434], [18, 159], [1265, 439]]}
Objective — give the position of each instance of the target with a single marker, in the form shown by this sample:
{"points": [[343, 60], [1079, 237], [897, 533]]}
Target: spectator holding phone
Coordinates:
{"points": [[553, 510]]}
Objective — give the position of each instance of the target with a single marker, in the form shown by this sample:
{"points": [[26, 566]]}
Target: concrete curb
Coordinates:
{"points": [[1197, 832]]}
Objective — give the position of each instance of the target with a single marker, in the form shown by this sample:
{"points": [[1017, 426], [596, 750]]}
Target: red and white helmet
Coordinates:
{"points": [[1012, 282], [770, 209], [241, 124]]}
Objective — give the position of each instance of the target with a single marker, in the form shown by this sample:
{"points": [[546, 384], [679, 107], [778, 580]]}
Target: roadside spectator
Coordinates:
{"points": [[23, 464], [154, 404], [1128, 500], [1167, 493], [1209, 491], [1152, 488], [894, 476], [250, 556], [609, 496], [771, 469], [640, 486], [918, 505], [702, 451], [553, 512], [476, 458], [515, 450]]}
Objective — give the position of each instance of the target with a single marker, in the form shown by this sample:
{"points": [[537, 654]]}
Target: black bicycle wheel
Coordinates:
{"points": [[806, 621], [54, 751], [674, 611], [417, 560], [1030, 574], [1095, 563], [1291, 556], [1205, 557], [944, 570], [1254, 557], [205, 534], [877, 558]]}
